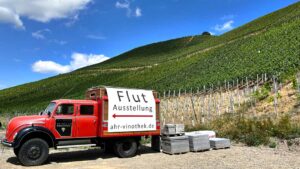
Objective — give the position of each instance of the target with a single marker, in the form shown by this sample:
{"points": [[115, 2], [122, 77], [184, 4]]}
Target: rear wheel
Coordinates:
{"points": [[33, 152], [126, 148], [109, 147]]}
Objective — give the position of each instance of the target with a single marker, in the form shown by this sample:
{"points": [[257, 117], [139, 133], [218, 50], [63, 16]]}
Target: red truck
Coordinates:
{"points": [[114, 119]]}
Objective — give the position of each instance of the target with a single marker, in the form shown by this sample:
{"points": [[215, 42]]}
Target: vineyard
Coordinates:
{"points": [[261, 99], [268, 45]]}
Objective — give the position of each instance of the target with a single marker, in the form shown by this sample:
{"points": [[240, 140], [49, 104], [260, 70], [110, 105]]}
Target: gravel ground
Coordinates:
{"points": [[236, 157]]}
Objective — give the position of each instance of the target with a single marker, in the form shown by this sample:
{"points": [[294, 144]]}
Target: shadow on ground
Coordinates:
{"points": [[81, 155]]}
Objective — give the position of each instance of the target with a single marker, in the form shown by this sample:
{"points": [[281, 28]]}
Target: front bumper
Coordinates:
{"points": [[6, 143]]}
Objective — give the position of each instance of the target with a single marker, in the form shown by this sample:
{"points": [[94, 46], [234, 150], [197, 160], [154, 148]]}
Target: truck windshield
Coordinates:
{"points": [[49, 108]]}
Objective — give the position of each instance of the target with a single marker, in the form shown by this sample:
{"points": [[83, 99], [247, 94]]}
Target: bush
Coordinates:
{"points": [[272, 144], [263, 93], [252, 131], [206, 33]]}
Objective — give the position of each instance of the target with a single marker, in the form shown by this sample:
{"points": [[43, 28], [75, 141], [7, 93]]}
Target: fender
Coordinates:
{"points": [[33, 130]]}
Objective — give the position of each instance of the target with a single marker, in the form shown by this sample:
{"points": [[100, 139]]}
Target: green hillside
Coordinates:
{"points": [[270, 44]]}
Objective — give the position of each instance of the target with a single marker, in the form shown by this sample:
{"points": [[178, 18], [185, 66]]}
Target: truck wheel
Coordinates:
{"points": [[33, 152], [109, 147], [16, 151], [125, 148]]}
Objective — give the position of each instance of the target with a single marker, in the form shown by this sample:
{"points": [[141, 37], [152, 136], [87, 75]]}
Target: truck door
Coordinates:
{"points": [[86, 121], [64, 121]]}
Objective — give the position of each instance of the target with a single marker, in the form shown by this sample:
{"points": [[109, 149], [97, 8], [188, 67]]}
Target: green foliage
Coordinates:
{"points": [[261, 94], [252, 131], [272, 144], [294, 83], [270, 44], [145, 140], [284, 129]]}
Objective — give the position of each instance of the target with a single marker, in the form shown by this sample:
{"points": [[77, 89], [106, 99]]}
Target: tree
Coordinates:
{"points": [[206, 33]]}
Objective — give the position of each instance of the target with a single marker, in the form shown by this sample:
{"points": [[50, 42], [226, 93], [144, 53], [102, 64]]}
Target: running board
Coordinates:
{"points": [[75, 146]]}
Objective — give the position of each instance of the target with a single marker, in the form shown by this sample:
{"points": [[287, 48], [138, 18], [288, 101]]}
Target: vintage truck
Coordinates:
{"points": [[114, 119]]}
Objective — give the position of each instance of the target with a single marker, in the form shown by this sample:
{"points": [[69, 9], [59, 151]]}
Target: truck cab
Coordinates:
{"points": [[69, 123]]}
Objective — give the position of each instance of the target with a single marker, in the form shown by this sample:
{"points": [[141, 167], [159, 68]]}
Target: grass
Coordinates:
{"points": [[270, 44], [253, 131]]}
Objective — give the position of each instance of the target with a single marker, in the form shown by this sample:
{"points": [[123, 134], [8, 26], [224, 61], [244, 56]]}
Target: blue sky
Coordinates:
{"points": [[42, 38]]}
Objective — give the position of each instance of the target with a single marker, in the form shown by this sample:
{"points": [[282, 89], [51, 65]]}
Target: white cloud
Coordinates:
{"points": [[60, 42], [8, 16], [224, 27], [72, 20], [95, 37], [40, 33], [50, 67], [228, 17], [212, 33], [79, 60], [39, 10], [138, 12], [126, 5]]}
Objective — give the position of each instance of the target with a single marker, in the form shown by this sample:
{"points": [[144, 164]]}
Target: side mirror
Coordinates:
{"points": [[40, 113], [49, 113]]}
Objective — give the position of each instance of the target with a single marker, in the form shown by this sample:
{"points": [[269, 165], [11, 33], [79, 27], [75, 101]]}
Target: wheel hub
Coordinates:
{"points": [[126, 146], [34, 152]]}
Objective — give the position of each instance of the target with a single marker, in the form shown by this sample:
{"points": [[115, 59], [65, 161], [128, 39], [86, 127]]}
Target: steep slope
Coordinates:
{"points": [[270, 44]]}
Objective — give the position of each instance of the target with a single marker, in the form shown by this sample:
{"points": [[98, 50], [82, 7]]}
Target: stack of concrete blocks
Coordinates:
{"points": [[175, 145], [219, 143], [173, 129], [210, 133], [198, 142], [173, 140]]}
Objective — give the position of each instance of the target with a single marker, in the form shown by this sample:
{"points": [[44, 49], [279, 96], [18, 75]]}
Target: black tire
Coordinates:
{"points": [[16, 151], [109, 148], [33, 152], [126, 148]]}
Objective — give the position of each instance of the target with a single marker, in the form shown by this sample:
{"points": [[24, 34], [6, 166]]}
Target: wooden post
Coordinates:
{"points": [[243, 82], [177, 107], [298, 81], [275, 95], [257, 81], [228, 86], [193, 107], [238, 92], [202, 109], [247, 86], [266, 78]]}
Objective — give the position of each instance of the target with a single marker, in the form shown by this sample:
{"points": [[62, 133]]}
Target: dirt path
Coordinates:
{"points": [[235, 157]]}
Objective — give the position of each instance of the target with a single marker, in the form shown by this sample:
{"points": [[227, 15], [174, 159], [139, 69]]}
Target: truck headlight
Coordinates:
{"points": [[15, 135]]}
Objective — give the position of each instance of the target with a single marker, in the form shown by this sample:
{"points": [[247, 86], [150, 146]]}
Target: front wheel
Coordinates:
{"points": [[16, 151], [126, 148], [33, 152]]}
